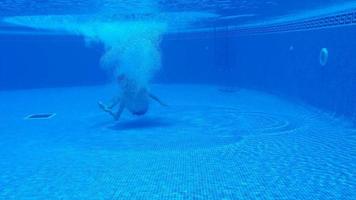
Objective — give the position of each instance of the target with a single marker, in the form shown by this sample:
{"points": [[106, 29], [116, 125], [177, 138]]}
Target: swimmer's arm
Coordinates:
{"points": [[114, 102], [157, 99], [119, 111]]}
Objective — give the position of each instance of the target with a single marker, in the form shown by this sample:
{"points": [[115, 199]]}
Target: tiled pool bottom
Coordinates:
{"points": [[208, 144]]}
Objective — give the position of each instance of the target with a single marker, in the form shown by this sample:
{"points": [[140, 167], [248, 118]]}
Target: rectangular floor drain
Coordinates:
{"points": [[41, 116]]}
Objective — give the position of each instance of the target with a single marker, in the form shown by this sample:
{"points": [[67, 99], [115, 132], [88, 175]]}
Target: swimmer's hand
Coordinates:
{"points": [[158, 100], [107, 109], [103, 107]]}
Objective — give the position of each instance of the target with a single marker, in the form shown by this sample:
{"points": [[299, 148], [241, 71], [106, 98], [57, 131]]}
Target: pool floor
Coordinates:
{"points": [[209, 143]]}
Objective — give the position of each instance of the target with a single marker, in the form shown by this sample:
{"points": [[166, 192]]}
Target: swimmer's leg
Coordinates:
{"points": [[157, 99]]}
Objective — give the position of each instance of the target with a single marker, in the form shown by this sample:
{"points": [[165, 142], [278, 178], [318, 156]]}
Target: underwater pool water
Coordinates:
{"points": [[260, 96]]}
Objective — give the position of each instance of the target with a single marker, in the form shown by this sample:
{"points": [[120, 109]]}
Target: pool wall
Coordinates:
{"points": [[285, 64], [37, 61]]}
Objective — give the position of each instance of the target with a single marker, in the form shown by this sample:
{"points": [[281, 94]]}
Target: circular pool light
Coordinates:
{"points": [[323, 57]]}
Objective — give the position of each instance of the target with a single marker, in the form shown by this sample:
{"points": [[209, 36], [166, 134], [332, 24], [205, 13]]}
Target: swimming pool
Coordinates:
{"points": [[260, 96]]}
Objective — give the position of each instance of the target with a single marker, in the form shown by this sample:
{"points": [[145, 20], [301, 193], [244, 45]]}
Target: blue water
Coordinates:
{"points": [[251, 115]]}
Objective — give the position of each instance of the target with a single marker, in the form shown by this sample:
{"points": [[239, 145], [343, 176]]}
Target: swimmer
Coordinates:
{"points": [[133, 97]]}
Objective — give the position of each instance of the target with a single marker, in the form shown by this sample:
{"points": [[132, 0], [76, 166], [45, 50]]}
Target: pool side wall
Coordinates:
{"points": [[285, 64]]}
